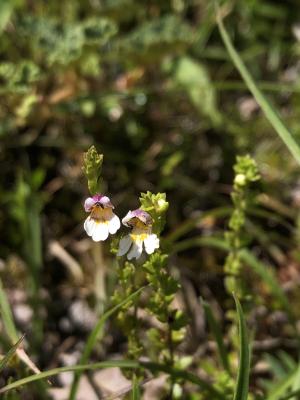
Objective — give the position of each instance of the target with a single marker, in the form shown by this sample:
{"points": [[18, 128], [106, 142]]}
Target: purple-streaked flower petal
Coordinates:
{"points": [[105, 202], [142, 215], [89, 204], [127, 218], [97, 197]]}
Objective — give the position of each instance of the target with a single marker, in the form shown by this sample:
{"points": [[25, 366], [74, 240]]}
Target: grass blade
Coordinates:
{"points": [[135, 393], [291, 384], [93, 337], [215, 328], [7, 317], [290, 395], [214, 394], [266, 107], [296, 384], [283, 386], [76, 368], [242, 386], [10, 353]]}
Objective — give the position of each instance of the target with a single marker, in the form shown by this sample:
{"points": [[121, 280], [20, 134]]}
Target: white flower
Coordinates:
{"points": [[102, 221], [140, 237]]}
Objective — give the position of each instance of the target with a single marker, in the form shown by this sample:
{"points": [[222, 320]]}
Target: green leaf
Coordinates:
{"points": [[171, 163], [277, 368], [290, 383], [98, 30], [296, 383], [178, 320], [62, 42], [193, 77], [270, 113], [94, 336], [215, 328], [291, 395], [278, 391], [58, 43], [10, 353], [156, 38], [6, 10], [287, 360], [18, 77], [26, 106], [242, 386]]}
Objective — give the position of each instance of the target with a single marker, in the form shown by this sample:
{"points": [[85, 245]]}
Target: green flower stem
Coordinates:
{"points": [[100, 273], [127, 317], [246, 172], [137, 375], [171, 354]]}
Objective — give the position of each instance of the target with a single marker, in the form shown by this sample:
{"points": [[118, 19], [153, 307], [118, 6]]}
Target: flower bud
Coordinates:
{"points": [[240, 180]]}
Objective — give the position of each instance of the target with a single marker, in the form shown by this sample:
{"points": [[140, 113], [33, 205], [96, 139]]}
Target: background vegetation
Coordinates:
{"points": [[153, 87]]}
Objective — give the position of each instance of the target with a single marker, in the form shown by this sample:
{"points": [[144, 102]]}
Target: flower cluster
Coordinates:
{"points": [[102, 221]]}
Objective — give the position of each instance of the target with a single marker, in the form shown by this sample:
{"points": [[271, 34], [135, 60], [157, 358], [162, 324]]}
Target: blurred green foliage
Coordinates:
{"points": [[151, 85]]}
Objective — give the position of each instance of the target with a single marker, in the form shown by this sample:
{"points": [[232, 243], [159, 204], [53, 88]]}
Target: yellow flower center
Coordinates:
{"points": [[140, 232]]}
